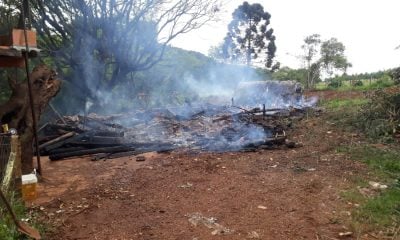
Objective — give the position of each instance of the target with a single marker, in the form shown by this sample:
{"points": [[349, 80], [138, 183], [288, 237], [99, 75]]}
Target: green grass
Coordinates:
{"points": [[8, 231], [344, 103], [382, 210], [386, 163], [343, 112], [367, 85]]}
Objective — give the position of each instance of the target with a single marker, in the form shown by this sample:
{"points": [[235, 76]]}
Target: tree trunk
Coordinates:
{"points": [[16, 112]]}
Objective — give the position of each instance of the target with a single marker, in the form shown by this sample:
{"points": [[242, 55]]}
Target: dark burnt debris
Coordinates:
{"points": [[205, 127]]}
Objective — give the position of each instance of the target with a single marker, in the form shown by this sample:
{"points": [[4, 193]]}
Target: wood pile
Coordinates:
{"points": [[208, 128]]}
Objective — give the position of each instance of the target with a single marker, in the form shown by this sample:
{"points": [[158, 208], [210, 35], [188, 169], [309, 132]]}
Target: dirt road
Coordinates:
{"points": [[271, 194]]}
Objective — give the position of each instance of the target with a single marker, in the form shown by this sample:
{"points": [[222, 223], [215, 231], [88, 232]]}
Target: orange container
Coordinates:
{"points": [[17, 38], [29, 183]]}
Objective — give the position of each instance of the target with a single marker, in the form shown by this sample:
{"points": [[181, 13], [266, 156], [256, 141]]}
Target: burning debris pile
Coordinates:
{"points": [[204, 127]]}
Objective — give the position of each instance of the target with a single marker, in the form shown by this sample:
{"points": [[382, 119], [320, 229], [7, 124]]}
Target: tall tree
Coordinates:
{"points": [[333, 57], [311, 49], [16, 111], [99, 43], [249, 36]]}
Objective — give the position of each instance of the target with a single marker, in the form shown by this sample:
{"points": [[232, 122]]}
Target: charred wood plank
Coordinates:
{"points": [[66, 127], [46, 138], [106, 140], [65, 150], [64, 142], [117, 149], [89, 144], [58, 139], [104, 133]]}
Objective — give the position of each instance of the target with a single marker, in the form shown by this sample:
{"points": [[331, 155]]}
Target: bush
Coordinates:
{"points": [[381, 118], [358, 83], [335, 83], [395, 75]]}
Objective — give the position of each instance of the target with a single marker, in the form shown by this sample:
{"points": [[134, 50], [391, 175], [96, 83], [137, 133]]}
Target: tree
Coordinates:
{"points": [[249, 36], [395, 75], [286, 73], [16, 112], [100, 43], [333, 57], [311, 48]]}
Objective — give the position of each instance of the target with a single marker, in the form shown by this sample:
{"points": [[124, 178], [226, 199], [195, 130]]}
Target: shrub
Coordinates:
{"points": [[381, 118], [395, 75], [358, 83], [335, 83]]}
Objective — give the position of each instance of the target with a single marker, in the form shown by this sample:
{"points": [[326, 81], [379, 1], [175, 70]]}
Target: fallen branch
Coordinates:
{"points": [[60, 138]]}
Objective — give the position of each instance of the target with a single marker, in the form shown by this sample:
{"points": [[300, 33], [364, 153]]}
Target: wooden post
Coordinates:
{"points": [[30, 94], [13, 172], [15, 142]]}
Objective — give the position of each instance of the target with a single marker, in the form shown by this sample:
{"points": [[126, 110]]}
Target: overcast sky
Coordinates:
{"points": [[368, 28]]}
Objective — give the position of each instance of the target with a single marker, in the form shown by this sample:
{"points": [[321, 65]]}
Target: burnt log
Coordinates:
{"points": [[17, 113], [63, 143], [108, 133], [117, 149], [58, 139], [106, 140], [65, 150]]}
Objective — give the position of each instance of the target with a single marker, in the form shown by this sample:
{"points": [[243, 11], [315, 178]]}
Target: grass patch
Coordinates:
{"points": [[8, 230], [344, 112], [379, 210], [366, 85], [382, 210], [386, 163], [344, 103]]}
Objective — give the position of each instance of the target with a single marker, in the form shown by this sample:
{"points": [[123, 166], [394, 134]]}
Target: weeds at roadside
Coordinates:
{"points": [[344, 103], [369, 117], [365, 86], [8, 230], [382, 210], [377, 117]]}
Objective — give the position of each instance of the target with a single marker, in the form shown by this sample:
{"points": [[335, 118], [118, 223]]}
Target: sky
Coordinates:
{"points": [[369, 29]]}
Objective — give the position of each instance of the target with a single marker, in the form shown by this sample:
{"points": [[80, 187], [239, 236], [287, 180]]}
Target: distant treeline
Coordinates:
{"points": [[384, 74]]}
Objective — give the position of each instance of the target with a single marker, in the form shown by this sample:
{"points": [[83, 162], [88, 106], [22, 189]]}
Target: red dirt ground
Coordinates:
{"points": [[270, 194]]}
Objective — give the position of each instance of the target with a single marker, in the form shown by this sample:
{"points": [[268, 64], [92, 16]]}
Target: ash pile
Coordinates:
{"points": [[254, 120]]}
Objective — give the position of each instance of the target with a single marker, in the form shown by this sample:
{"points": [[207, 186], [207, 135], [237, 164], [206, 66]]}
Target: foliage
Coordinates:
{"points": [[332, 56], [286, 73], [367, 76], [345, 103], [381, 118], [249, 37], [9, 15], [358, 83], [4, 88], [377, 116], [321, 55], [395, 75], [8, 230], [364, 76], [100, 44], [380, 210], [336, 83], [311, 49], [361, 82]]}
